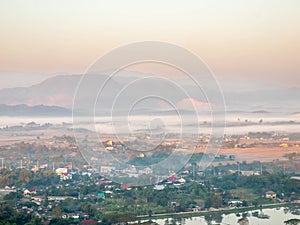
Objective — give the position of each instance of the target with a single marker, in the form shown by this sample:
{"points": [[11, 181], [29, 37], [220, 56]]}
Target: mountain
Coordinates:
{"points": [[57, 91], [39, 110], [119, 93], [61, 91]]}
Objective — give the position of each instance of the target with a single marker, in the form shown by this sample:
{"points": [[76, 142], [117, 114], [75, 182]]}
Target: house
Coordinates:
{"points": [[59, 198], [270, 194], [130, 170], [26, 192], [172, 179], [71, 216], [182, 181], [109, 148], [196, 209], [146, 170], [106, 169], [250, 173], [101, 195], [103, 182], [235, 203], [38, 198], [29, 191], [295, 178], [125, 187], [66, 176], [284, 145], [159, 187], [60, 171], [177, 184]]}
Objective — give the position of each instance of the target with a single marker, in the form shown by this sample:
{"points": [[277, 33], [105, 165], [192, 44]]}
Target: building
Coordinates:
{"points": [[172, 179], [125, 187], [270, 194], [106, 169], [159, 187], [101, 195], [146, 170], [29, 192], [250, 173], [60, 171], [182, 181]]}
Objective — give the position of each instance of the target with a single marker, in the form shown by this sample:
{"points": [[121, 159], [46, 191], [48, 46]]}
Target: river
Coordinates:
{"points": [[277, 217]]}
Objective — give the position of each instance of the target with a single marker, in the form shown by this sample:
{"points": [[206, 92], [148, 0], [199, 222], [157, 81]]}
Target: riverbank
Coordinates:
{"points": [[215, 211]]}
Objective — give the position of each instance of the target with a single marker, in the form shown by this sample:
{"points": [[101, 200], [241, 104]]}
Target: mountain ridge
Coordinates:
{"points": [[37, 110], [60, 91]]}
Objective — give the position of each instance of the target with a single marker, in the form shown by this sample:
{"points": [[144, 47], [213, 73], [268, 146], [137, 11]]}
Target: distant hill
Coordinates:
{"points": [[57, 91], [39, 110], [60, 91]]}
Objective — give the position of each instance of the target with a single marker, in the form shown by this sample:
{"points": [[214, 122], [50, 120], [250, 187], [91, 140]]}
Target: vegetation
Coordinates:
{"points": [[292, 222], [26, 178], [116, 205], [10, 216]]}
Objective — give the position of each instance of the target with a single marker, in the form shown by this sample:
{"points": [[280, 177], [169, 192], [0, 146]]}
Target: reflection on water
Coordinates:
{"points": [[276, 217]]}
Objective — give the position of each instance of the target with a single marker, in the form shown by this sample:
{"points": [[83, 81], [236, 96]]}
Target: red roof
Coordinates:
{"points": [[172, 179], [124, 186], [32, 189], [103, 182]]}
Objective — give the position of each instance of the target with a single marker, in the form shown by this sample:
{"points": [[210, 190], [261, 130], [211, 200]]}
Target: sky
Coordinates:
{"points": [[242, 40]]}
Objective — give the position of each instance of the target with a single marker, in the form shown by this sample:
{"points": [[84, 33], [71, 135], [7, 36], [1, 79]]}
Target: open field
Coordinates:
{"points": [[242, 194], [263, 154]]}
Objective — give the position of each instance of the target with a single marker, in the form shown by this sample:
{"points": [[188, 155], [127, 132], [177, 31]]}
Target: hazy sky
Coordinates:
{"points": [[245, 40]]}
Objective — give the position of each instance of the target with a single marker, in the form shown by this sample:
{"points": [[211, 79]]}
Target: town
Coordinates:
{"points": [[45, 180]]}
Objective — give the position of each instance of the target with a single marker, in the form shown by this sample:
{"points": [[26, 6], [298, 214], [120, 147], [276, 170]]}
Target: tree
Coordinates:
{"points": [[217, 217], [60, 221], [57, 212], [292, 222], [243, 221], [113, 218], [214, 200], [88, 208], [25, 176], [69, 205], [12, 196], [35, 221], [150, 214], [208, 218], [10, 216], [244, 203], [255, 203]]}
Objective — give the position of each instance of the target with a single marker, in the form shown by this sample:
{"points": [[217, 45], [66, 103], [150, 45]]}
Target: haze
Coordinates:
{"points": [[254, 40]]}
